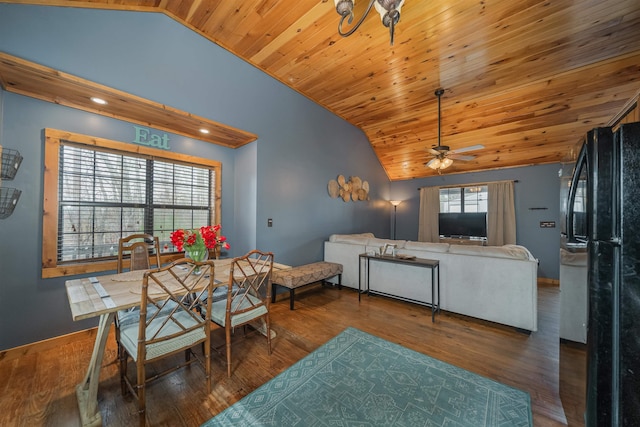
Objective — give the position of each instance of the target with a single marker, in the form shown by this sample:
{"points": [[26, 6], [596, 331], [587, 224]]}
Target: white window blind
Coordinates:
{"points": [[105, 195], [464, 199]]}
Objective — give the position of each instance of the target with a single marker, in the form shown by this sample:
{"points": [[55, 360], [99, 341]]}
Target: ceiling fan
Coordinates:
{"points": [[443, 156]]}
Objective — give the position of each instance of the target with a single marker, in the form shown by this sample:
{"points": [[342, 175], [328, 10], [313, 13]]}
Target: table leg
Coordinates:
{"points": [[433, 296], [438, 288], [368, 270], [359, 277], [87, 391]]}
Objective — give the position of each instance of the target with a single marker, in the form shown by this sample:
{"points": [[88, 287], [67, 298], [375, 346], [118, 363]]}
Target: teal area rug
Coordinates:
{"points": [[357, 379]]}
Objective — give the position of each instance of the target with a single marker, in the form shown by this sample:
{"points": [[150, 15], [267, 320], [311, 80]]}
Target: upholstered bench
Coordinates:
{"points": [[296, 277]]}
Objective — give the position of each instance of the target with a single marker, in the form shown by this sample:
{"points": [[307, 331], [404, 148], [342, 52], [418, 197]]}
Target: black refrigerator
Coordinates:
{"points": [[611, 224]]}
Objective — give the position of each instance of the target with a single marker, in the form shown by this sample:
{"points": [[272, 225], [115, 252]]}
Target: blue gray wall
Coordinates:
{"points": [[537, 199], [283, 175]]}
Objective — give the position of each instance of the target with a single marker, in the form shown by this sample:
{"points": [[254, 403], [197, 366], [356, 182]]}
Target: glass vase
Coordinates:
{"points": [[198, 255]]}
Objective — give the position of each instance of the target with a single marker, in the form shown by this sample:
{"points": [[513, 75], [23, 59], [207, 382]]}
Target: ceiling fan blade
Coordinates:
{"points": [[460, 156], [434, 152], [465, 149]]}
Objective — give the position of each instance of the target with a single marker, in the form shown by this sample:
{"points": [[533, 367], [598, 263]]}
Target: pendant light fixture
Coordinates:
{"points": [[389, 11]]}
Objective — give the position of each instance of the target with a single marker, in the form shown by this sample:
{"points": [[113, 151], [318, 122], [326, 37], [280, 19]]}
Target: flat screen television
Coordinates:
{"points": [[463, 224]]}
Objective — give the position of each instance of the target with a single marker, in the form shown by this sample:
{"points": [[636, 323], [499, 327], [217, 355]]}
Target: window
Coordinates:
{"points": [[463, 211], [97, 191], [464, 199]]}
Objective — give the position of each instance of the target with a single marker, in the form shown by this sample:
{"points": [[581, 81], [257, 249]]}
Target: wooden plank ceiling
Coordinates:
{"points": [[524, 78]]}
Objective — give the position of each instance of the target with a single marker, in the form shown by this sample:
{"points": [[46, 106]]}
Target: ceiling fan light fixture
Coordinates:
{"points": [[434, 163], [389, 11], [439, 163]]}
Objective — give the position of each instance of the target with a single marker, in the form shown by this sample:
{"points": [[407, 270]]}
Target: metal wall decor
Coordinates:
{"points": [[8, 201], [11, 160], [352, 190]]}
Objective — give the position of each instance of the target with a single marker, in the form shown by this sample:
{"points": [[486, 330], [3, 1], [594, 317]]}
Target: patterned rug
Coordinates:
{"points": [[357, 379]]}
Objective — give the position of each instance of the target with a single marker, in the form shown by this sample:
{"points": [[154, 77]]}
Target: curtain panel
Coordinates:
{"points": [[501, 214], [428, 229]]}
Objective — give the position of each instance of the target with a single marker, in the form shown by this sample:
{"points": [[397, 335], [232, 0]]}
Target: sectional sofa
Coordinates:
{"points": [[494, 283]]}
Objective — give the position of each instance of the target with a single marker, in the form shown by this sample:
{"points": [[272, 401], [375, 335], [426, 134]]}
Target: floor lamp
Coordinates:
{"points": [[395, 204]]}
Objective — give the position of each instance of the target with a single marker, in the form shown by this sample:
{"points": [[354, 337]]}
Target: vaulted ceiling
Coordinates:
{"points": [[525, 79]]}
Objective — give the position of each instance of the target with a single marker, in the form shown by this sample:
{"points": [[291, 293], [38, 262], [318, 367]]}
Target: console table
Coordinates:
{"points": [[432, 264]]}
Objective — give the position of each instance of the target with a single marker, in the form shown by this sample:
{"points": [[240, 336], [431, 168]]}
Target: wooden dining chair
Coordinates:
{"points": [[140, 250], [174, 316], [248, 297], [136, 251]]}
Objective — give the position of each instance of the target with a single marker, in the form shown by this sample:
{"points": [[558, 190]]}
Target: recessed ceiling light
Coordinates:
{"points": [[98, 100], [205, 131]]}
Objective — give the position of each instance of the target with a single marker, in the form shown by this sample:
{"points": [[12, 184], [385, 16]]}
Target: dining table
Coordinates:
{"points": [[104, 296]]}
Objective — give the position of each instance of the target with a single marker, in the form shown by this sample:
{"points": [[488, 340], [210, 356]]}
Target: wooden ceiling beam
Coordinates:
{"points": [[27, 78]]}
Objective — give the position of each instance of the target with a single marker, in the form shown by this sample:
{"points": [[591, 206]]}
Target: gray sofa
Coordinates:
{"points": [[494, 283]]}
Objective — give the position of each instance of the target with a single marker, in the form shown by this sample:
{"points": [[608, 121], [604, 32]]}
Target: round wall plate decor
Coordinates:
{"points": [[334, 188]]}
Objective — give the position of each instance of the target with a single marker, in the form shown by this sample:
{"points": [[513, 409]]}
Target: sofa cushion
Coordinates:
{"points": [[357, 239], [427, 246], [506, 251], [381, 242]]}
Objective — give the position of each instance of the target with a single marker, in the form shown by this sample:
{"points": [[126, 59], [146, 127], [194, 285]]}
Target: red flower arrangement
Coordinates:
{"points": [[198, 239]]}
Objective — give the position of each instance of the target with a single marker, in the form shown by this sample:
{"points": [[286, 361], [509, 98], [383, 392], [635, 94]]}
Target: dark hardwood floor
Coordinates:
{"points": [[38, 382]]}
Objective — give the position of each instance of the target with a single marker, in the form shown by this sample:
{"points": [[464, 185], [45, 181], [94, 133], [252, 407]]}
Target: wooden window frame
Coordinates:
{"points": [[53, 140]]}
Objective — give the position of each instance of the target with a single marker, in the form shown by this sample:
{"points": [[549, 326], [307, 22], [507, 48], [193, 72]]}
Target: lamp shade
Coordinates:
{"points": [[439, 164], [434, 163], [385, 6], [344, 7], [389, 11], [395, 202], [445, 163]]}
